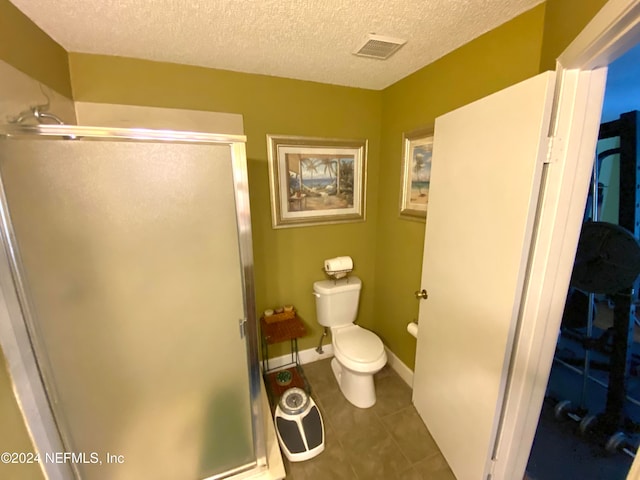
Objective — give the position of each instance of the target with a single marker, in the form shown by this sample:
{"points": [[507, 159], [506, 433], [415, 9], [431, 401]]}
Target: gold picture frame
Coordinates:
{"points": [[315, 181], [417, 151]]}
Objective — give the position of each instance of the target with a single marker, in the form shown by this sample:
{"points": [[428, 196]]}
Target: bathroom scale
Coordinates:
{"points": [[299, 425]]}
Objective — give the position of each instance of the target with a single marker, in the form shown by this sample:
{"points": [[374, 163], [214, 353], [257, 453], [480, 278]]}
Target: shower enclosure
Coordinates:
{"points": [[128, 310]]}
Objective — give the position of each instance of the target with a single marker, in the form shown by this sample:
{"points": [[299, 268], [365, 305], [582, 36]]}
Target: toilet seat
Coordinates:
{"points": [[358, 349]]}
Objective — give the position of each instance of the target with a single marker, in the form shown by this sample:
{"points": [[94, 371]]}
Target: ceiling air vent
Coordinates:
{"points": [[379, 46]]}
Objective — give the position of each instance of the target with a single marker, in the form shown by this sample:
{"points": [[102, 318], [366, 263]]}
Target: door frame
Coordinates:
{"points": [[581, 79]]}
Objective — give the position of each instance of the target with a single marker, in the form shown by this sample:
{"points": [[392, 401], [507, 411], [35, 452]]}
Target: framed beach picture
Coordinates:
{"points": [[416, 173], [316, 181]]}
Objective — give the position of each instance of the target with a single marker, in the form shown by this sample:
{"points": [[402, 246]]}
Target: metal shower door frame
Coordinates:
{"points": [[15, 339]]}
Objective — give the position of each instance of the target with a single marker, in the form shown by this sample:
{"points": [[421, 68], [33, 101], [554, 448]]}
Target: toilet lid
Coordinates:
{"points": [[359, 344]]}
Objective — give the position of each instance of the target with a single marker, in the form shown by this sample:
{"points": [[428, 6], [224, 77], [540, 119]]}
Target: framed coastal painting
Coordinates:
{"points": [[416, 173], [316, 181]]}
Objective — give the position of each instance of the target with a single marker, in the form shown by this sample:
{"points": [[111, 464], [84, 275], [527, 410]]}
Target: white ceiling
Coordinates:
{"points": [[300, 39]]}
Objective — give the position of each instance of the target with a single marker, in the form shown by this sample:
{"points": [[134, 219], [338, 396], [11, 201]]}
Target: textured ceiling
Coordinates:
{"points": [[301, 39]]}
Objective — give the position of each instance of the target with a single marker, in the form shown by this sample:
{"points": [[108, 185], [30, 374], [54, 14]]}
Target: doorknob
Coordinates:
{"points": [[421, 294]]}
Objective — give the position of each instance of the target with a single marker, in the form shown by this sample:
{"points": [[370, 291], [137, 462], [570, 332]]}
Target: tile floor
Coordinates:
{"points": [[387, 441]]}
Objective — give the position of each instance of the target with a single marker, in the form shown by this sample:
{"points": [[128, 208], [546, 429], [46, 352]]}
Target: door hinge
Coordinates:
{"points": [[491, 469], [243, 326], [555, 149]]}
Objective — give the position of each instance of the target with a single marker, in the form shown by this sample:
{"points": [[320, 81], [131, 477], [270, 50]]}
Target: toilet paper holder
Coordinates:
{"points": [[336, 274], [339, 267], [412, 328]]}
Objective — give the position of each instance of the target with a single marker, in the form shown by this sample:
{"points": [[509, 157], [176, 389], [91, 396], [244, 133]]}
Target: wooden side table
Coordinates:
{"points": [[277, 332]]}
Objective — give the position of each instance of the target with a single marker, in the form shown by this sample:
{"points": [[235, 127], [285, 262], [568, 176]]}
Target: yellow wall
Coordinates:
{"points": [[287, 261], [500, 58], [30, 50], [27, 48], [387, 250], [14, 436], [564, 19]]}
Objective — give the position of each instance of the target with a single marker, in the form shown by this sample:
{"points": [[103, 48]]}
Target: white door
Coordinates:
{"points": [[486, 173]]}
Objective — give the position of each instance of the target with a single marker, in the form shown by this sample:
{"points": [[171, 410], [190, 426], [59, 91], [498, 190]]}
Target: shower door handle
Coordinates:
{"points": [[421, 294]]}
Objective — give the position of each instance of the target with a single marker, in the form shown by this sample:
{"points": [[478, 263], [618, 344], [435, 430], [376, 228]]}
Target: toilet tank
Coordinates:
{"points": [[337, 301]]}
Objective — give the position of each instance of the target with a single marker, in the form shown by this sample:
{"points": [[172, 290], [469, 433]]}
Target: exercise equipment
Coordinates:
{"points": [[607, 259], [619, 443], [607, 263]]}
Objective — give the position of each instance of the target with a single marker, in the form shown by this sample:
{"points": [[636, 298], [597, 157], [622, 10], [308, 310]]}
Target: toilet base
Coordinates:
{"points": [[357, 388]]}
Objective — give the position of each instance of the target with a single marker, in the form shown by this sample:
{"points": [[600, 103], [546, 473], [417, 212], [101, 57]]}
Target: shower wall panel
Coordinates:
{"points": [[130, 259]]}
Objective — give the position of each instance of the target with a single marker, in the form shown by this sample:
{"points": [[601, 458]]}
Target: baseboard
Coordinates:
{"points": [[311, 355], [404, 372], [306, 356]]}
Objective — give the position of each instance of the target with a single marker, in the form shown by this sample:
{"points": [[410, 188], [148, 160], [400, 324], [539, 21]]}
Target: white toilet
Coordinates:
{"points": [[358, 353]]}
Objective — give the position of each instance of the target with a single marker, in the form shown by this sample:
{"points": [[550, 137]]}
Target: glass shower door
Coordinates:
{"points": [[133, 291]]}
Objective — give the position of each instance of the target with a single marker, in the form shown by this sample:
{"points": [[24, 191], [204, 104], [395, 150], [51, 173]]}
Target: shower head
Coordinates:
{"points": [[40, 116], [39, 112]]}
